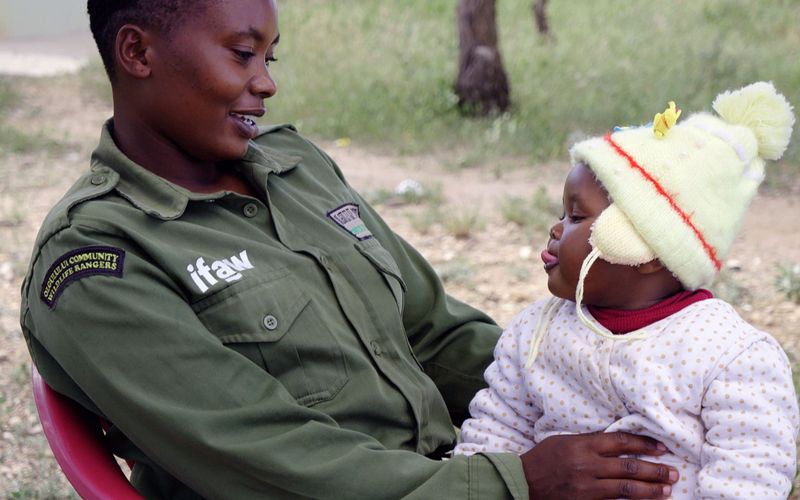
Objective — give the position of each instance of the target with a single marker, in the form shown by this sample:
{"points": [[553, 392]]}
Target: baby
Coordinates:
{"points": [[630, 341]]}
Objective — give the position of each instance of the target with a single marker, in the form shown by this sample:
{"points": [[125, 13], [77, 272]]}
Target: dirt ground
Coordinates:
{"points": [[496, 268]]}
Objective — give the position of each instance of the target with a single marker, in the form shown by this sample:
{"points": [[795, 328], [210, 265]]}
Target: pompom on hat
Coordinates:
{"points": [[680, 190]]}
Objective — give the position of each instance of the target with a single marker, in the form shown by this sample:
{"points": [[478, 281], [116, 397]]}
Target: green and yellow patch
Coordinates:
{"points": [[77, 264]]}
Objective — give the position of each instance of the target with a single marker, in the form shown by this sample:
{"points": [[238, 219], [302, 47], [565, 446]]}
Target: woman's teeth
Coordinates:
{"points": [[246, 119]]}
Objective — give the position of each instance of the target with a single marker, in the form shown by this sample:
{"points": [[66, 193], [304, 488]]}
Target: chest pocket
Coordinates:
{"points": [[383, 260], [275, 324]]}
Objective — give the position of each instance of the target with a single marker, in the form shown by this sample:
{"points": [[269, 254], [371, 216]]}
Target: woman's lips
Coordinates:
{"points": [[550, 260], [245, 124]]}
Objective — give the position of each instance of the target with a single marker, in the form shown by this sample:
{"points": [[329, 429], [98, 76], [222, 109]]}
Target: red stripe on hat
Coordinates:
{"points": [[712, 254]]}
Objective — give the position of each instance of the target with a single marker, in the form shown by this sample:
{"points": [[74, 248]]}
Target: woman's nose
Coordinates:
{"points": [[263, 85]]}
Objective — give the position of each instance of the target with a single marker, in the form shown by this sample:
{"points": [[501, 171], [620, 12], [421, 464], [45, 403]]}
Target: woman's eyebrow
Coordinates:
{"points": [[254, 34]]}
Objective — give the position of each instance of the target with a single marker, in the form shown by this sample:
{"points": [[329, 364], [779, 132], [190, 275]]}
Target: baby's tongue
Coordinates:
{"points": [[549, 258]]}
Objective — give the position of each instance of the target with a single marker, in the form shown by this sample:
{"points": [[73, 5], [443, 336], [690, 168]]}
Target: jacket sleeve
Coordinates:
{"points": [[207, 415], [452, 341], [503, 414], [751, 419]]}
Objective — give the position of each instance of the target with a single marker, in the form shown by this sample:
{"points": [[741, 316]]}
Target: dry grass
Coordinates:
{"points": [[496, 267]]}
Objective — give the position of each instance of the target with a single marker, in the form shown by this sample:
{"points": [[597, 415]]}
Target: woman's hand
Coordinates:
{"points": [[588, 466]]}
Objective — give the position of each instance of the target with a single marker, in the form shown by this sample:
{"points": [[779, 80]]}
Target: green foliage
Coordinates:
{"points": [[8, 96], [729, 289], [455, 272], [462, 223], [382, 72], [94, 81], [533, 215], [12, 138], [422, 194], [787, 281], [423, 221]]}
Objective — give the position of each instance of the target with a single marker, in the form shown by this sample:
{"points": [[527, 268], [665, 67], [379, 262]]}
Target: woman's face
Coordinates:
{"points": [[211, 76]]}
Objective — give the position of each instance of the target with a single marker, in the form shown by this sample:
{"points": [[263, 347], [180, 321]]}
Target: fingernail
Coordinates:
{"points": [[661, 447], [673, 475], [667, 491]]}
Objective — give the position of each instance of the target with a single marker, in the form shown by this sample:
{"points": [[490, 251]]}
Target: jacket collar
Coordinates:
{"points": [[165, 200]]}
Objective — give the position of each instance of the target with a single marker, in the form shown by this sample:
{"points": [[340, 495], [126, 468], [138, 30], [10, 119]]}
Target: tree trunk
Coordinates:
{"points": [[540, 16], [482, 85]]}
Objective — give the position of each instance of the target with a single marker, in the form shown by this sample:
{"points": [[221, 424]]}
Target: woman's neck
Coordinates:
{"points": [[154, 153]]}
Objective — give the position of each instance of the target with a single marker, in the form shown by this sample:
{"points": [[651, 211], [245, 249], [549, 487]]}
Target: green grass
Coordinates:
{"points": [[381, 72], [534, 215], [463, 222], [13, 139], [787, 281]]}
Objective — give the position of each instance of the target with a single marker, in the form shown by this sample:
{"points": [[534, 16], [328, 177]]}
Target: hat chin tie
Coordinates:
{"points": [[593, 325], [615, 240]]}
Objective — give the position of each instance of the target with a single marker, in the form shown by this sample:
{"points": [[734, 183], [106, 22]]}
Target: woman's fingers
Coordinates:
{"points": [[623, 488], [637, 469], [595, 466], [614, 444]]}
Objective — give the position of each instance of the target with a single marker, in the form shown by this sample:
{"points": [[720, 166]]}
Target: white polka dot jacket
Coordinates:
{"points": [[714, 389]]}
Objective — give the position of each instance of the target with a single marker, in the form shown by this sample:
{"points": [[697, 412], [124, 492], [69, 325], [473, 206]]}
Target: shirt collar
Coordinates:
{"points": [[165, 200]]}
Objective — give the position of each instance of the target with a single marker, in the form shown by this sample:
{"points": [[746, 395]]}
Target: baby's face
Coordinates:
{"points": [[607, 285], [584, 200]]}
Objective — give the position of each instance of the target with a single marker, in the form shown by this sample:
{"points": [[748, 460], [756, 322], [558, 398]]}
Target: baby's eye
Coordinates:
{"points": [[576, 218], [561, 217], [270, 59]]}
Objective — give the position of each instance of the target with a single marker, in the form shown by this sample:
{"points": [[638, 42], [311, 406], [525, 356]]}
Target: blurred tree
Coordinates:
{"points": [[482, 86], [540, 16]]}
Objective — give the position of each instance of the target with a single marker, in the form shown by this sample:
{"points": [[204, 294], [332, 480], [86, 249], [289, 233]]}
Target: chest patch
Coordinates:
{"points": [[77, 264], [347, 217]]}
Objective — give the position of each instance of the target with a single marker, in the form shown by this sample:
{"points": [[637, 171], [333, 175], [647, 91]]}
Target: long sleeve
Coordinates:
{"points": [[503, 414], [250, 347], [207, 414], [751, 416]]}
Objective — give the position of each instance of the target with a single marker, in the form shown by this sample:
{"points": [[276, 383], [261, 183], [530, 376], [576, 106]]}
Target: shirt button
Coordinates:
{"points": [[98, 179], [250, 210], [376, 348], [270, 322]]}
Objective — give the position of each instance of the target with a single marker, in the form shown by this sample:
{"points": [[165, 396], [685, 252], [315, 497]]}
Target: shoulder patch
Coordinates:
{"points": [[77, 264]]}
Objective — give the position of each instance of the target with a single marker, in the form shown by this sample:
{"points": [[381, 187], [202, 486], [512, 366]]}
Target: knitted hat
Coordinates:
{"points": [[679, 191]]}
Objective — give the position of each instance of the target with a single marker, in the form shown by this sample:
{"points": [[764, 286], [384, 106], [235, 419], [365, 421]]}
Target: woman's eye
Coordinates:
{"points": [[244, 55]]}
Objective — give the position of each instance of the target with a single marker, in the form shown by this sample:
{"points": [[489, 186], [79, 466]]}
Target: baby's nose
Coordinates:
{"points": [[555, 231]]}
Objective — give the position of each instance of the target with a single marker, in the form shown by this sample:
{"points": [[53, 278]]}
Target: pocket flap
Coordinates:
{"points": [[380, 258], [257, 311]]}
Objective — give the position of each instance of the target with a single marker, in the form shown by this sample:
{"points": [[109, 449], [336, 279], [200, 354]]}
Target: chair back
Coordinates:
{"points": [[76, 438]]}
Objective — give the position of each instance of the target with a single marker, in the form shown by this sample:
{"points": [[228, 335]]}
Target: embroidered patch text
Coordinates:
{"points": [[77, 264]]}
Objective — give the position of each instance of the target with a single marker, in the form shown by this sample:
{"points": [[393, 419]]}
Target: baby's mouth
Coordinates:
{"points": [[550, 260]]}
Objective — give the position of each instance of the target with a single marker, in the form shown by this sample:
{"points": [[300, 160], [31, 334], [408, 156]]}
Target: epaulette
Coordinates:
{"points": [[97, 182]]}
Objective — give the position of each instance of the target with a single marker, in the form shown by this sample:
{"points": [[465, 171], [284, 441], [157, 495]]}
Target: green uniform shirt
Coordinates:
{"points": [[282, 347]]}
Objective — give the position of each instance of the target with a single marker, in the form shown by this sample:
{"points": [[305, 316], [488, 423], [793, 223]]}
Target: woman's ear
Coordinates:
{"points": [[132, 47], [650, 267]]}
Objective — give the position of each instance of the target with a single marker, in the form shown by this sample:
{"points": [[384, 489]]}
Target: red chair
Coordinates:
{"points": [[75, 436]]}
